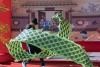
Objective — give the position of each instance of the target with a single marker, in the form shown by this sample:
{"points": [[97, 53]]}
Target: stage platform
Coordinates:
{"points": [[49, 63], [92, 48]]}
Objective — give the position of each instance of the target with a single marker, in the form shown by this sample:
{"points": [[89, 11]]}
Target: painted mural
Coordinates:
{"points": [[83, 18]]}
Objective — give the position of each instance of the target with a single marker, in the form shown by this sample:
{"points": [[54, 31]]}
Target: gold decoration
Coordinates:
{"points": [[3, 8], [4, 39], [4, 28]]}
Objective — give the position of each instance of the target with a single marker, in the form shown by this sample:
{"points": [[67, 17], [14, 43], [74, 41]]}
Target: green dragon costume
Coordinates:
{"points": [[51, 44]]}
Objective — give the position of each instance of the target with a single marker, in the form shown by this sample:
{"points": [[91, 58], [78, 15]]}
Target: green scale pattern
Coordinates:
{"points": [[65, 29], [49, 43]]}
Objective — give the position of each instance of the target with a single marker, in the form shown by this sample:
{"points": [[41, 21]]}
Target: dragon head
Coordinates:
{"points": [[56, 16]]}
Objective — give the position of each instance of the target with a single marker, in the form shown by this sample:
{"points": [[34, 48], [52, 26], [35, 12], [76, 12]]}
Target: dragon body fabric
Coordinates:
{"points": [[50, 44]]}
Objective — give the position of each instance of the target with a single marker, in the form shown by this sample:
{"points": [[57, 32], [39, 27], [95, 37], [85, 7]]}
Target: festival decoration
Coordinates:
{"points": [[4, 39], [51, 44], [3, 8], [4, 28]]}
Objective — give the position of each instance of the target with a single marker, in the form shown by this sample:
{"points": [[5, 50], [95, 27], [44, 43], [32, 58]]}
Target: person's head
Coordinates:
{"points": [[34, 22]]}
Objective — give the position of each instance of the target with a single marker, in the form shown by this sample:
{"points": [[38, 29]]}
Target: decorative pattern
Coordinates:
{"points": [[91, 8], [51, 44], [4, 28], [16, 22], [49, 3], [80, 22], [4, 39], [3, 8], [65, 27]]}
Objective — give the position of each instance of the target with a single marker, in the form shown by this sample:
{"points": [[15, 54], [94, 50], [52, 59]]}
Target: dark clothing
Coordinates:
{"points": [[33, 49], [83, 32]]}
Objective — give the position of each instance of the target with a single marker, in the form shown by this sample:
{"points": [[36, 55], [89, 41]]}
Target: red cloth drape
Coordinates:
{"points": [[5, 24]]}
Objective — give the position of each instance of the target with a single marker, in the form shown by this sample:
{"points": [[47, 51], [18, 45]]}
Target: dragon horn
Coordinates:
{"points": [[58, 13]]}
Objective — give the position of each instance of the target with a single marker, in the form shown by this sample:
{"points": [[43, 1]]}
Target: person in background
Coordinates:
{"points": [[47, 25], [42, 23], [33, 49], [84, 34]]}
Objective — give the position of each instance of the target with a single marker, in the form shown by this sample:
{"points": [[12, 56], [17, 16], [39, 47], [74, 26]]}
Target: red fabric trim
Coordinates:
{"points": [[90, 46]]}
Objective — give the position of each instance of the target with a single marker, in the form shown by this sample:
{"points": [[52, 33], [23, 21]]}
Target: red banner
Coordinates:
{"points": [[5, 24]]}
